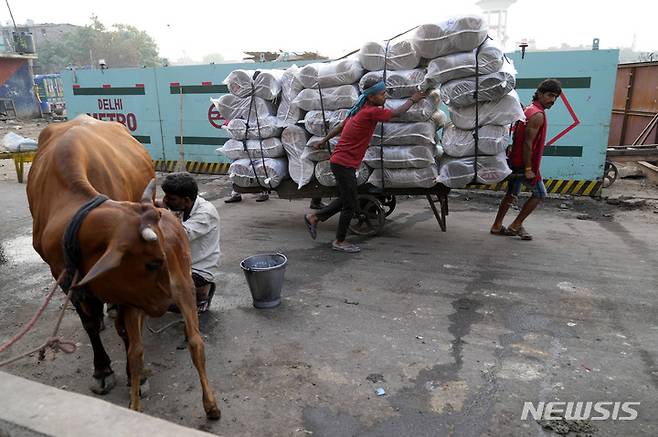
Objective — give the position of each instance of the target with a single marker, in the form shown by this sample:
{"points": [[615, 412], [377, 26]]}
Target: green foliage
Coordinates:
{"points": [[120, 46]]}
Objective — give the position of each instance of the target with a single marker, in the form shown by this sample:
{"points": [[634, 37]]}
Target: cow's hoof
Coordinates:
{"points": [[213, 414], [104, 384]]}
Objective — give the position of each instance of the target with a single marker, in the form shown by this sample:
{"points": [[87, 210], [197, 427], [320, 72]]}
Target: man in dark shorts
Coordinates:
{"points": [[525, 159], [356, 132]]}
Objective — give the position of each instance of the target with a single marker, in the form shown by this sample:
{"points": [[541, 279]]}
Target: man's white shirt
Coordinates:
{"points": [[202, 228]]}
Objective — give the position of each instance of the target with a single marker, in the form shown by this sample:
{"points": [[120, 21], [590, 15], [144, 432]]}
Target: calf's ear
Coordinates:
{"points": [[110, 260]]}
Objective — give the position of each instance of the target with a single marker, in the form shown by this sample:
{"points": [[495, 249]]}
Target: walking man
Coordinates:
{"points": [[525, 158], [356, 132]]}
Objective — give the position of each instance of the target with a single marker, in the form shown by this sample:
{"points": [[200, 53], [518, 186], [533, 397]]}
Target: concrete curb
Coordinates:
{"points": [[34, 409]]}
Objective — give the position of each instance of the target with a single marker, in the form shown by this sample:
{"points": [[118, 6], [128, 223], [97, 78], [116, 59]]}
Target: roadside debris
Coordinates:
{"points": [[375, 378], [380, 392], [351, 302]]}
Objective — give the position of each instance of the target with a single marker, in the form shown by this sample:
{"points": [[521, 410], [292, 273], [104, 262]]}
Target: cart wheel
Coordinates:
{"points": [[369, 219], [388, 203], [610, 174]]}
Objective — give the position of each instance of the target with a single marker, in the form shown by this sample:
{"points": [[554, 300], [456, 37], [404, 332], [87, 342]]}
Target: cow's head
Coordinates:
{"points": [[136, 239]]}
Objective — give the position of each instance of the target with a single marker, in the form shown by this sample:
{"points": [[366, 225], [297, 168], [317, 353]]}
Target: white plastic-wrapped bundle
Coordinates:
{"points": [[492, 86], [339, 97], [439, 118], [330, 74], [326, 177], [267, 83], [421, 111], [294, 140], [269, 172], [268, 128], [405, 177], [399, 84], [400, 156], [459, 172], [455, 35], [458, 65], [501, 112], [401, 56], [230, 107], [318, 154], [314, 122], [406, 134], [287, 113], [268, 148], [492, 140]]}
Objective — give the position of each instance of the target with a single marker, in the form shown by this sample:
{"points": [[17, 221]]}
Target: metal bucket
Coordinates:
{"points": [[264, 275]]}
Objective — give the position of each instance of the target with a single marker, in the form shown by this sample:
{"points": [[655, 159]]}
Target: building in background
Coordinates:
{"points": [[495, 13], [17, 96]]}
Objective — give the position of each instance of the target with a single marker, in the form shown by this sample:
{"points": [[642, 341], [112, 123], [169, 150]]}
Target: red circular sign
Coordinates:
{"points": [[214, 117]]}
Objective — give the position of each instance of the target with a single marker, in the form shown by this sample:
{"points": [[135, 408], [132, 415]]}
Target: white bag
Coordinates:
{"points": [[458, 65], [291, 86], [266, 85], [459, 172], [421, 111], [405, 134], [17, 143], [399, 84], [271, 148], [268, 128], [322, 154], [339, 97], [294, 140], [501, 112], [492, 86], [492, 140], [330, 74], [326, 177], [401, 56], [269, 175], [230, 107], [439, 118], [455, 35], [314, 122], [400, 156], [405, 177]]}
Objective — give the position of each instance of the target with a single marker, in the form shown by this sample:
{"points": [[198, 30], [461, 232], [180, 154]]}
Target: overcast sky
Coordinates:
{"points": [[333, 27]]}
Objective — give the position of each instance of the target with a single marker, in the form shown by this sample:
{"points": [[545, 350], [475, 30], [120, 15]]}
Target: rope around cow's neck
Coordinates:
{"points": [[53, 343]]}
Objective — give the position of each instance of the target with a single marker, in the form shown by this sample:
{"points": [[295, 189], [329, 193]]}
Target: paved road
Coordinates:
{"points": [[463, 327]]}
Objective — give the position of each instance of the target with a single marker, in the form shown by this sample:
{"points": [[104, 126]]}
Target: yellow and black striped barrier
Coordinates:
{"points": [[194, 167], [555, 186]]}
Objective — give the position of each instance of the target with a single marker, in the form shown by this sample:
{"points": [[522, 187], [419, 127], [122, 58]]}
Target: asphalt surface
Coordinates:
{"points": [[458, 328]]}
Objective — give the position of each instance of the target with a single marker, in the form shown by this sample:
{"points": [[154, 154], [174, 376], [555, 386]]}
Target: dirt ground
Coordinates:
{"points": [[458, 328]]}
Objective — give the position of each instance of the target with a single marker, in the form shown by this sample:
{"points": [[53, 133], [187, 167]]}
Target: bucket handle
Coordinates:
{"points": [[249, 269]]}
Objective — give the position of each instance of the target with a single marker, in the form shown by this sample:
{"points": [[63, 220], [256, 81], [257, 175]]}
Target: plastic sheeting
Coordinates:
{"points": [[492, 86], [321, 154], [455, 35], [459, 172], [340, 97], [241, 172], [230, 107], [294, 140], [401, 56], [266, 85], [399, 84], [400, 156], [314, 122], [492, 140], [330, 74], [271, 148], [326, 177], [501, 112], [458, 65], [268, 128], [405, 134], [421, 111], [291, 86], [439, 118], [404, 177]]}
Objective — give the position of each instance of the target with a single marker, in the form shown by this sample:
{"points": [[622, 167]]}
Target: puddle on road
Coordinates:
{"points": [[18, 250]]}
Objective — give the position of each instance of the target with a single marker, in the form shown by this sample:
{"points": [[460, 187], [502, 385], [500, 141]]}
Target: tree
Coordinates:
{"points": [[120, 46], [212, 58]]}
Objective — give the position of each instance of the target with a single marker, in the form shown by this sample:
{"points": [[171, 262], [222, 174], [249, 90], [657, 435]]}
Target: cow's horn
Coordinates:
{"points": [[149, 234], [149, 192]]}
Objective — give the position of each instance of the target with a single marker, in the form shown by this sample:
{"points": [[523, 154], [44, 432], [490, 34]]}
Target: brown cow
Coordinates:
{"points": [[132, 253]]}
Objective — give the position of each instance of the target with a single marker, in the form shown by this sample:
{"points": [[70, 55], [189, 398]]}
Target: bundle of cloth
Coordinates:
{"points": [[265, 84], [401, 55], [265, 172]]}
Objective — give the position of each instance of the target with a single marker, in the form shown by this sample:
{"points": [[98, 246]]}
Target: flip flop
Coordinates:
{"points": [[502, 231], [312, 228], [347, 248], [204, 305], [521, 233]]}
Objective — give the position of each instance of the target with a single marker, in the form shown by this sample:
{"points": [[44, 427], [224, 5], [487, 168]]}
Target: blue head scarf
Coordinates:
{"points": [[376, 88]]}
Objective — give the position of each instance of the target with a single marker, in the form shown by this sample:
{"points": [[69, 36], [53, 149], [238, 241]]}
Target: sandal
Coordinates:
{"points": [[347, 248], [312, 228], [521, 233], [502, 231], [204, 305]]}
